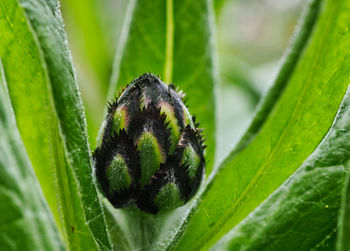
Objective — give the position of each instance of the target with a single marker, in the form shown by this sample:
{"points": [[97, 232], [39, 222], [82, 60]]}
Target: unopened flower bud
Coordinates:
{"points": [[150, 153]]}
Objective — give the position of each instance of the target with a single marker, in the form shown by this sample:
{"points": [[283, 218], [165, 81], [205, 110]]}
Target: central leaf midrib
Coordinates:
{"points": [[169, 42]]}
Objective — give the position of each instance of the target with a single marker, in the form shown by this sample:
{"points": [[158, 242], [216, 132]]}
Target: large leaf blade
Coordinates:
{"points": [[294, 128], [172, 39], [157, 39], [303, 210], [194, 65], [25, 220], [50, 117], [70, 113], [37, 123], [290, 61], [342, 242], [14, 47]]}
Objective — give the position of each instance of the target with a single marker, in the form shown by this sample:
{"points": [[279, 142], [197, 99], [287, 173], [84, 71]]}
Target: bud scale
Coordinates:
{"points": [[150, 153]]}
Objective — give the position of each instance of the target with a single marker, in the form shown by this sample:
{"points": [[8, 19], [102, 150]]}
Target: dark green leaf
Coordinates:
{"points": [[47, 23], [328, 243], [343, 243]]}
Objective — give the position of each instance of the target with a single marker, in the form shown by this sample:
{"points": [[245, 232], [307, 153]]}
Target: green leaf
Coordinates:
{"points": [[28, 87], [344, 219], [118, 238], [327, 244], [303, 210], [20, 54], [292, 130], [290, 60], [171, 39], [50, 116], [69, 109], [25, 220]]}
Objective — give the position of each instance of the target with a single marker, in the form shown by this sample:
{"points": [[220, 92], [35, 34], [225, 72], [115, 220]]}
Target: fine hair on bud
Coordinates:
{"points": [[150, 153]]}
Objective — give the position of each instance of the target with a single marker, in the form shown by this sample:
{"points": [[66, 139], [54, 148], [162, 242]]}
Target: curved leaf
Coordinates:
{"points": [[303, 210], [50, 116], [70, 113], [26, 76], [118, 238], [290, 61], [295, 126], [344, 219], [25, 220]]}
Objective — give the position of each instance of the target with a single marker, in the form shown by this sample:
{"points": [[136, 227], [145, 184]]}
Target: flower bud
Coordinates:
{"points": [[150, 153]]}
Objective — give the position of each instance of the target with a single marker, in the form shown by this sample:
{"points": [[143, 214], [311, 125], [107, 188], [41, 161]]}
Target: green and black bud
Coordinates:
{"points": [[150, 153]]}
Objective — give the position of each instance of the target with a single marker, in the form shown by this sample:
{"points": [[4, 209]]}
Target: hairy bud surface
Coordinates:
{"points": [[150, 153]]}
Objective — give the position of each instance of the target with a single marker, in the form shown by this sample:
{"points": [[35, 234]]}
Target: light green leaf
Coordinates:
{"points": [[303, 210], [28, 86], [290, 60], [294, 127], [25, 220], [26, 76], [50, 116], [218, 5], [172, 39]]}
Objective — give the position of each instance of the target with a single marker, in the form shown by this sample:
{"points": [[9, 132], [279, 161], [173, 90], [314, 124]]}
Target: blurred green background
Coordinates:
{"points": [[251, 36]]}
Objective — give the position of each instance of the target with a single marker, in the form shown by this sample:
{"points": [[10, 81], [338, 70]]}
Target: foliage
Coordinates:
{"points": [[281, 187]]}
